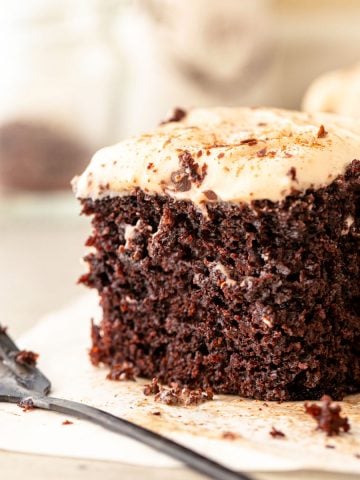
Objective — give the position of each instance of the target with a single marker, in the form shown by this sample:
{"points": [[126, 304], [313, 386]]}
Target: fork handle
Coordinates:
{"points": [[192, 459]]}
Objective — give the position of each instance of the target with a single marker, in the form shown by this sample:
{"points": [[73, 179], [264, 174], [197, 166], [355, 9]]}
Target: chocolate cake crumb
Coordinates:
{"points": [[176, 116], [357, 455], [175, 395], [322, 132], [168, 396], [122, 372], [67, 422], [26, 357], [156, 413], [152, 388], [26, 404], [292, 174], [330, 446], [230, 436], [275, 433], [327, 416]]}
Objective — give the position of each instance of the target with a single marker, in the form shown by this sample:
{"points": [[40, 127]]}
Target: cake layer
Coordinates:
{"points": [[226, 154], [258, 299]]}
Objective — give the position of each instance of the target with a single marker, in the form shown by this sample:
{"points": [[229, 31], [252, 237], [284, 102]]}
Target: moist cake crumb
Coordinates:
{"points": [[327, 415], [122, 371], [175, 395], [26, 404], [152, 388]]}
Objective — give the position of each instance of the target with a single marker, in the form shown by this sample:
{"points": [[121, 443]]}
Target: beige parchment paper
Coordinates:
{"points": [[62, 339]]}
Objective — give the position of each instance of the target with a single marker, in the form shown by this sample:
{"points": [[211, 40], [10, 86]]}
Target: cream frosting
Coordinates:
{"points": [[240, 154]]}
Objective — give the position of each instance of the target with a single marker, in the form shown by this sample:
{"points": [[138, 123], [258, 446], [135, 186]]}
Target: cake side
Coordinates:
{"points": [[257, 298]]}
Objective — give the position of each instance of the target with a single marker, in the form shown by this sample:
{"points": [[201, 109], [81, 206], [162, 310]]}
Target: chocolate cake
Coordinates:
{"points": [[225, 250]]}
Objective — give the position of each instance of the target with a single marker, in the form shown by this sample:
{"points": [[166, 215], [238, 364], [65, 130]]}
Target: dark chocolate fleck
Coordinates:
{"points": [[249, 141], [292, 174], [176, 116], [322, 132], [275, 433], [210, 195], [262, 152]]}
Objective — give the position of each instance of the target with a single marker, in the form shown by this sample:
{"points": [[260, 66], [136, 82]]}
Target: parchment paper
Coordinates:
{"points": [[62, 339]]}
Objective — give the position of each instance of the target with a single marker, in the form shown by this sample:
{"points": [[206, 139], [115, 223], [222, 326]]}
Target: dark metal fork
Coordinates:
{"points": [[26, 384]]}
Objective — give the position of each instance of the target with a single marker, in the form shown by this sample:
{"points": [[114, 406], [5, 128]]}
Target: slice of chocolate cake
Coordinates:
{"points": [[226, 252]]}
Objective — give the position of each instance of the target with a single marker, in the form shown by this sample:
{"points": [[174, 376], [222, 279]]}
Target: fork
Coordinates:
{"points": [[27, 385]]}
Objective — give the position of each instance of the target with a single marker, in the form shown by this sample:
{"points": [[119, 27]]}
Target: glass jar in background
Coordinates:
{"points": [[59, 88]]}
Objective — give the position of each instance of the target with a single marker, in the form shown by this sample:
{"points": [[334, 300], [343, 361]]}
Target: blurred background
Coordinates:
{"points": [[80, 74]]}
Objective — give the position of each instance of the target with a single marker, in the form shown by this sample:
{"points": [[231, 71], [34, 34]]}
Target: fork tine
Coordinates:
{"points": [[27, 376]]}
